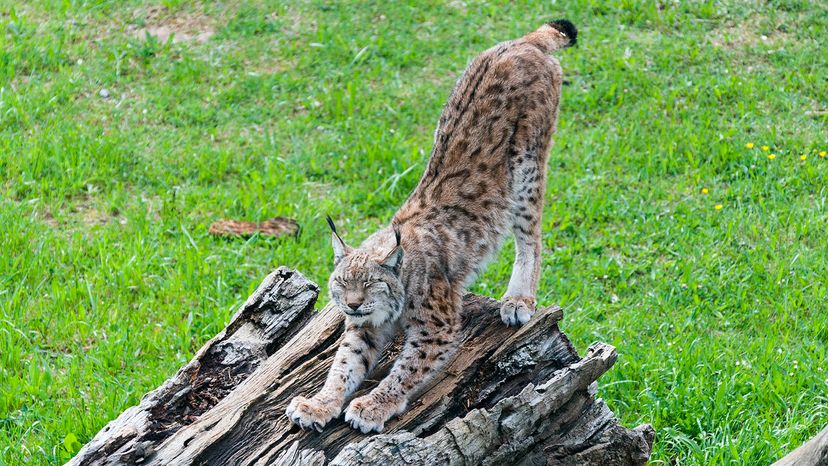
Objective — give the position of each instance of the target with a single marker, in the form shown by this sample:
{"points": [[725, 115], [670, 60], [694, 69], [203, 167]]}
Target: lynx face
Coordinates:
{"points": [[366, 291], [365, 284]]}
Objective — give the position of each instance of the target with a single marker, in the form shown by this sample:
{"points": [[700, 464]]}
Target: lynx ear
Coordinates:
{"points": [[394, 258], [340, 248]]}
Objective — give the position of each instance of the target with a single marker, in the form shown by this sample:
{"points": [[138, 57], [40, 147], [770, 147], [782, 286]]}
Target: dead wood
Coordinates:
{"points": [[511, 396], [278, 226], [814, 452]]}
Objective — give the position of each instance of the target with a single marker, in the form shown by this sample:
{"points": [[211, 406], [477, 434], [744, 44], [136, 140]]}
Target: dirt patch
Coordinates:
{"points": [[85, 213], [46, 217], [295, 21], [747, 34], [181, 27], [91, 216]]}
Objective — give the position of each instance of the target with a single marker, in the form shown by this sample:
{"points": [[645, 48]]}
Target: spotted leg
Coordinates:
{"points": [[518, 303], [430, 341], [355, 357]]}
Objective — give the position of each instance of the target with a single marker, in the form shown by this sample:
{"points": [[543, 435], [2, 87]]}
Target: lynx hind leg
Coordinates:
{"points": [[518, 304]]}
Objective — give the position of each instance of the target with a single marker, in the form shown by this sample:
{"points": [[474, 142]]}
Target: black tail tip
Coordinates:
{"points": [[567, 28], [330, 223]]}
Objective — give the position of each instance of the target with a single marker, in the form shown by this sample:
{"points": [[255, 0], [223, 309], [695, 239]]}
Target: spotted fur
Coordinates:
{"points": [[486, 177]]}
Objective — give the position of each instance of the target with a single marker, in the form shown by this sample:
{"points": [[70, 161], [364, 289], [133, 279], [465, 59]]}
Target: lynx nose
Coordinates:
{"points": [[354, 299]]}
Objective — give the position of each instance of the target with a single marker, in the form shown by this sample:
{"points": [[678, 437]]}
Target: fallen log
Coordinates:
{"points": [[814, 452], [513, 396]]}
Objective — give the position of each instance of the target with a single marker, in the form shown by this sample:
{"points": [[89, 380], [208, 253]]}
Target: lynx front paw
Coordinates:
{"points": [[516, 311], [367, 414], [307, 413]]}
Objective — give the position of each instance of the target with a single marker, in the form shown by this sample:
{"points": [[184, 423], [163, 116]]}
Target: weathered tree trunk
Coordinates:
{"points": [[814, 452], [511, 396]]}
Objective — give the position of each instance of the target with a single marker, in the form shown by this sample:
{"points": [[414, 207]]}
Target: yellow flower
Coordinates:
{"points": [[823, 154], [771, 156], [749, 145], [705, 190], [803, 157], [717, 207], [765, 148]]}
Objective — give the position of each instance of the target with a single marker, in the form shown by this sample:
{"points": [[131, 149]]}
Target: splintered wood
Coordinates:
{"points": [[510, 396]]}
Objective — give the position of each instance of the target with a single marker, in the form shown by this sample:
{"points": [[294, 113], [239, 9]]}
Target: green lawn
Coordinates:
{"points": [[702, 260]]}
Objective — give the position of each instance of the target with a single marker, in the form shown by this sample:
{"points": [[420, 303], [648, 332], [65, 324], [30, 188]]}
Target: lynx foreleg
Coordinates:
{"points": [[430, 341], [355, 357]]}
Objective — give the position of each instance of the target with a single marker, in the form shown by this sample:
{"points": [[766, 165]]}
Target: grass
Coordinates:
{"points": [[109, 281]]}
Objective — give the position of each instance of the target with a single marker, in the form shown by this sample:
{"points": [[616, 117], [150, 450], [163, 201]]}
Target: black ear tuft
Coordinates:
{"points": [[397, 235], [566, 27], [330, 223]]}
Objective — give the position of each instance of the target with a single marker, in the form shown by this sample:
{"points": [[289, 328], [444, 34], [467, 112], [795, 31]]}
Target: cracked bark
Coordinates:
{"points": [[514, 396], [814, 452]]}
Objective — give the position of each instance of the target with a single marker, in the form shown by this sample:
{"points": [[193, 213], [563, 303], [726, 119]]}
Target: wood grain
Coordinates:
{"points": [[519, 396]]}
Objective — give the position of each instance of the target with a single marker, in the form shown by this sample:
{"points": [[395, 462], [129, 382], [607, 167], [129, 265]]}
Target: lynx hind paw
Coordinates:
{"points": [[310, 413], [516, 311]]}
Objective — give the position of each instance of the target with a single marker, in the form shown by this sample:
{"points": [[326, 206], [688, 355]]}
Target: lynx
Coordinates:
{"points": [[486, 176]]}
